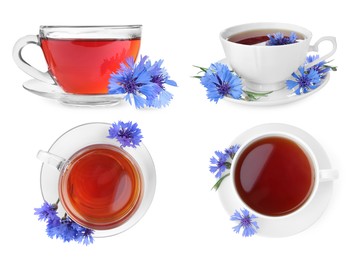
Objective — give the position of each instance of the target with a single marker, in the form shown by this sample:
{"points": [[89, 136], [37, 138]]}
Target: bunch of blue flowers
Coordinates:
{"points": [[308, 79], [219, 164], [143, 83], [63, 228]]}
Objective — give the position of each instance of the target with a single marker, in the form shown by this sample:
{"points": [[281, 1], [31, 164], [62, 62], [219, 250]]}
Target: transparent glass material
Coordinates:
{"points": [[90, 134], [91, 32], [72, 53]]}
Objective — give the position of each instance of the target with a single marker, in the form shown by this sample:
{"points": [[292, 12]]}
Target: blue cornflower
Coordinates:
{"points": [[232, 150], [64, 228], [83, 235], [246, 222], [52, 227], [135, 81], [66, 231], [220, 82], [220, 164], [320, 67], [279, 39], [305, 82], [159, 77], [127, 134], [46, 211]]}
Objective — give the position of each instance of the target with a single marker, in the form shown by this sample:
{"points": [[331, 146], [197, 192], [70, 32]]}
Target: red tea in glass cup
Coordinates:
{"points": [[81, 59], [100, 186]]}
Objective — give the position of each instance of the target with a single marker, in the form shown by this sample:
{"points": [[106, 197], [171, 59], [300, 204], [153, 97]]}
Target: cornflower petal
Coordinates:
{"points": [[219, 82], [305, 81], [279, 39], [128, 134], [219, 164], [246, 222], [52, 227], [232, 150], [46, 211]]}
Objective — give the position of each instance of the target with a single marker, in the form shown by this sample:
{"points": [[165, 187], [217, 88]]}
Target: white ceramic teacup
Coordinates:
{"points": [[318, 175], [265, 68]]}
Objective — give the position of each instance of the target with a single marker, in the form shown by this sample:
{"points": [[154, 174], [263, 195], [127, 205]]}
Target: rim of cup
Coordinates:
{"points": [[90, 31], [127, 26], [308, 152], [240, 28]]}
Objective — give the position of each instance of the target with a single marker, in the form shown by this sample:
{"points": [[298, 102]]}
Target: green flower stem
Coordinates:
{"points": [[201, 68], [252, 96], [333, 68], [217, 184]]}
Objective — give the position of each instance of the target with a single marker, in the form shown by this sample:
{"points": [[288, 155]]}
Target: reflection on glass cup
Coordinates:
{"points": [[80, 59]]}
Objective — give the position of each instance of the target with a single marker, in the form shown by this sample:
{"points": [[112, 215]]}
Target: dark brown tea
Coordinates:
{"points": [[259, 36], [101, 187], [274, 176]]}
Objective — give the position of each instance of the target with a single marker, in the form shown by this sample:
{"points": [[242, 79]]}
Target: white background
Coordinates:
{"points": [[186, 219]]}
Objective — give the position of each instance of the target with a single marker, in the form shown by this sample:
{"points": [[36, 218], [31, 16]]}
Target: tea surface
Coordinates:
{"points": [[101, 187], [274, 176], [258, 36], [84, 66]]}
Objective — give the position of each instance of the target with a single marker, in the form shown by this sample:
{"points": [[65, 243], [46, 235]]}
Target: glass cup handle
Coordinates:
{"points": [[315, 48], [328, 175], [25, 66], [51, 159]]}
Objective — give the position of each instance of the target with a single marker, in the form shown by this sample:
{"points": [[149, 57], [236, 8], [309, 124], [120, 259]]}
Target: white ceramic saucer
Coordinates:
{"points": [[95, 133], [279, 97], [53, 91], [303, 219]]}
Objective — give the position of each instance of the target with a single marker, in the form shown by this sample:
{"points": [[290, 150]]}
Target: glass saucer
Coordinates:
{"points": [[293, 224], [278, 97], [89, 134], [53, 91]]}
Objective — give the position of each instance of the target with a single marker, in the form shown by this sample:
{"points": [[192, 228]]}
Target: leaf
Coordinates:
{"points": [[218, 183]]}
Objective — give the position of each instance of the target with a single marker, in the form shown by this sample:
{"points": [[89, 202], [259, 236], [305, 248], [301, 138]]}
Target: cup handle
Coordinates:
{"points": [[315, 48], [25, 66], [51, 159], [328, 175]]}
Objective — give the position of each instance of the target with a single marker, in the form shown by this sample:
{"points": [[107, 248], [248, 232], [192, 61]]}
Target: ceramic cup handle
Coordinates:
{"points": [[51, 159], [315, 48], [25, 66], [328, 175]]}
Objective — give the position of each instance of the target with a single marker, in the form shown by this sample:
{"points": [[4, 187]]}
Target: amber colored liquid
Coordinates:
{"points": [[84, 66], [258, 36], [101, 187], [274, 176]]}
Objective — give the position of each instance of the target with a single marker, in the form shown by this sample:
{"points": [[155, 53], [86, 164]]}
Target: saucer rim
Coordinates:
{"points": [[146, 201], [287, 95], [56, 93], [305, 217]]}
